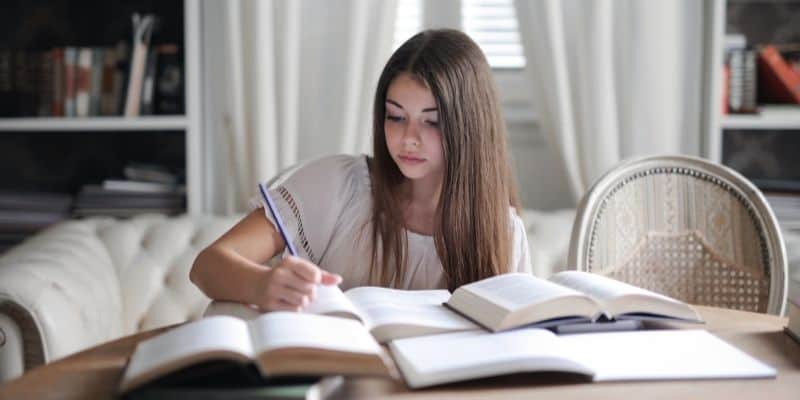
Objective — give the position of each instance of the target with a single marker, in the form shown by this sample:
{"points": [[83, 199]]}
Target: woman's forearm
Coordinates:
{"points": [[223, 274]]}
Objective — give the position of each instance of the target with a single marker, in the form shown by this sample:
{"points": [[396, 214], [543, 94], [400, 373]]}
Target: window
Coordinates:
{"points": [[409, 20], [491, 23]]}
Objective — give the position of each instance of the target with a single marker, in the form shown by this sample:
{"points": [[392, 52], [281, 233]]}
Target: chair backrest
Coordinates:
{"points": [[684, 227]]}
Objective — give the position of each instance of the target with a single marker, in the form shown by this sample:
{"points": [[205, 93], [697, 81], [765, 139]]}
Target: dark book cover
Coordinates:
{"points": [[169, 96]]}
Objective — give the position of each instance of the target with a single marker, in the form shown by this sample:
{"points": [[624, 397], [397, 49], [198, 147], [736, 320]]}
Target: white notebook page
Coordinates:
{"points": [[663, 354]]}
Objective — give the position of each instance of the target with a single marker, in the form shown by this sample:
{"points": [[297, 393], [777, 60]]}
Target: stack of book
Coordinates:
{"points": [[22, 214], [146, 189]]}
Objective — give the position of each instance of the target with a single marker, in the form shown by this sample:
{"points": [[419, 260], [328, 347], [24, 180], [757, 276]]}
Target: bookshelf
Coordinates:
{"points": [[761, 146], [181, 23], [53, 158], [770, 117]]}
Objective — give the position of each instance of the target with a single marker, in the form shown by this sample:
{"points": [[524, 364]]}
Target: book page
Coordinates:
{"points": [[619, 298], [330, 300], [404, 313], [663, 354], [598, 286], [278, 330], [514, 291], [213, 337], [431, 360]]}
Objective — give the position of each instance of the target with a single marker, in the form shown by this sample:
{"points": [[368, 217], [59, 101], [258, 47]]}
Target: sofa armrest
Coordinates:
{"points": [[61, 292], [12, 358]]}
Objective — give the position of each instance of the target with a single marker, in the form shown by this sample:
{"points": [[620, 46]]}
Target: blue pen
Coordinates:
{"points": [[278, 221]]}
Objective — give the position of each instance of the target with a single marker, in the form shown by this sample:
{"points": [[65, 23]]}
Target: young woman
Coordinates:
{"points": [[433, 208]]}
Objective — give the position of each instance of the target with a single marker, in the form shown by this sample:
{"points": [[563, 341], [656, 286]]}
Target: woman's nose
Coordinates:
{"points": [[412, 134]]}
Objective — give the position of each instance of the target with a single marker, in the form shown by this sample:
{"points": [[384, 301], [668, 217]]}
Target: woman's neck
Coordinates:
{"points": [[422, 194], [419, 202]]}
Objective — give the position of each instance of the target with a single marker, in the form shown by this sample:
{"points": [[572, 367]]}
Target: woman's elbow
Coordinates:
{"points": [[196, 272]]}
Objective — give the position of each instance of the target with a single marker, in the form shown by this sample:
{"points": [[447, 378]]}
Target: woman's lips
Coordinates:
{"points": [[411, 159]]}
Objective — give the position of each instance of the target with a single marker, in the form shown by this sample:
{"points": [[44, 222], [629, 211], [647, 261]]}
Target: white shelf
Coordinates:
{"points": [[769, 117], [159, 122]]}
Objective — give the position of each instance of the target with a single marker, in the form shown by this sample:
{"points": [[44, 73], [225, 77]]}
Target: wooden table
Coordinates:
{"points": [[95, 373]]}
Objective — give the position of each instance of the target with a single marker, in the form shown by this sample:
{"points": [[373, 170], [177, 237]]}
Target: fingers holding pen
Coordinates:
{"points": [[291, 285]]}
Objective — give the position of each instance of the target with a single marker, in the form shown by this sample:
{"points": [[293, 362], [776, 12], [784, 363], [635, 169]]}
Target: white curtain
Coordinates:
{"points": [[612, 79], [286, 81]]}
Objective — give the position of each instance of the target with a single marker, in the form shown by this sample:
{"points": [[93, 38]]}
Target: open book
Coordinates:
{"points": [[637, 355], [387, 313], [278, 344], [511, 300]]}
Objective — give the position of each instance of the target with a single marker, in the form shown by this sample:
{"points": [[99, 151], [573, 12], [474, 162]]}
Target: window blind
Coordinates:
{"points": [[493, 25]]}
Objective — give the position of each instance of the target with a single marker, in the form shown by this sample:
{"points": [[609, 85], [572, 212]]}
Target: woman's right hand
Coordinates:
{"points": [[291, 285]]}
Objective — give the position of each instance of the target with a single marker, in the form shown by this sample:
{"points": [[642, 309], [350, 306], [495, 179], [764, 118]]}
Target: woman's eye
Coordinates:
{"points": [[433, 123], [394, 118]]}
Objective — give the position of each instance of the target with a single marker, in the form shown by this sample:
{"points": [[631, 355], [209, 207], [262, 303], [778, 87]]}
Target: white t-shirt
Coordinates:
{"points": [[326, 206]]}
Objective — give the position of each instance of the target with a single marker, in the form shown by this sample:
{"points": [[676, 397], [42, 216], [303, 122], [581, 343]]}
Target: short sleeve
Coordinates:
{"points": [[521, 258], [312, 199]]}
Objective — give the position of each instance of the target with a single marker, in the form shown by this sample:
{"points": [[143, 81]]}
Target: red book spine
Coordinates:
{"points": [[57, 105], [777, 80]]}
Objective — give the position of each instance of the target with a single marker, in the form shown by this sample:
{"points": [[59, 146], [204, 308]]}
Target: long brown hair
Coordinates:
{"points": [[472, 232]]}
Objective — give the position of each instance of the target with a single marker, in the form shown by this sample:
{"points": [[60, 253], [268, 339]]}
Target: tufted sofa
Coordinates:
{"points": [[84, 282]]}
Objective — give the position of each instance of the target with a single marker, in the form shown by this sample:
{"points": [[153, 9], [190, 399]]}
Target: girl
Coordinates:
{"points": [[433, 208]]}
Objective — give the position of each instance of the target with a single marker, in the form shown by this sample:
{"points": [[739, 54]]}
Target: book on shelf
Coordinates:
{"points": [[512, 300], [96, 80], [169, 98], [146, 172], [70, 81], [741, 87], [83, 82], [141, 186], [599, 357], [793, 312], [27, 212], [93, 196], [148, 83], [35, 201], [277, 344], [143, 26], [25, 83], [59, 79], [108, 97], [44, 84], [385, 313], [779, 82]]}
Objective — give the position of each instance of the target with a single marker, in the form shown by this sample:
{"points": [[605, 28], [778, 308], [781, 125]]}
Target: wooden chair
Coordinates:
{"points": [[684, 227]]}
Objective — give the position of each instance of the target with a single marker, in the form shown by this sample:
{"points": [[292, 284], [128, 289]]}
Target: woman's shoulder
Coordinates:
{"points": [[331, 169], [515, 221]]}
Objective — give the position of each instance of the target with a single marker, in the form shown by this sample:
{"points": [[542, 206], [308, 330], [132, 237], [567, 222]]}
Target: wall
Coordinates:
{"points": [[541, 179]]}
